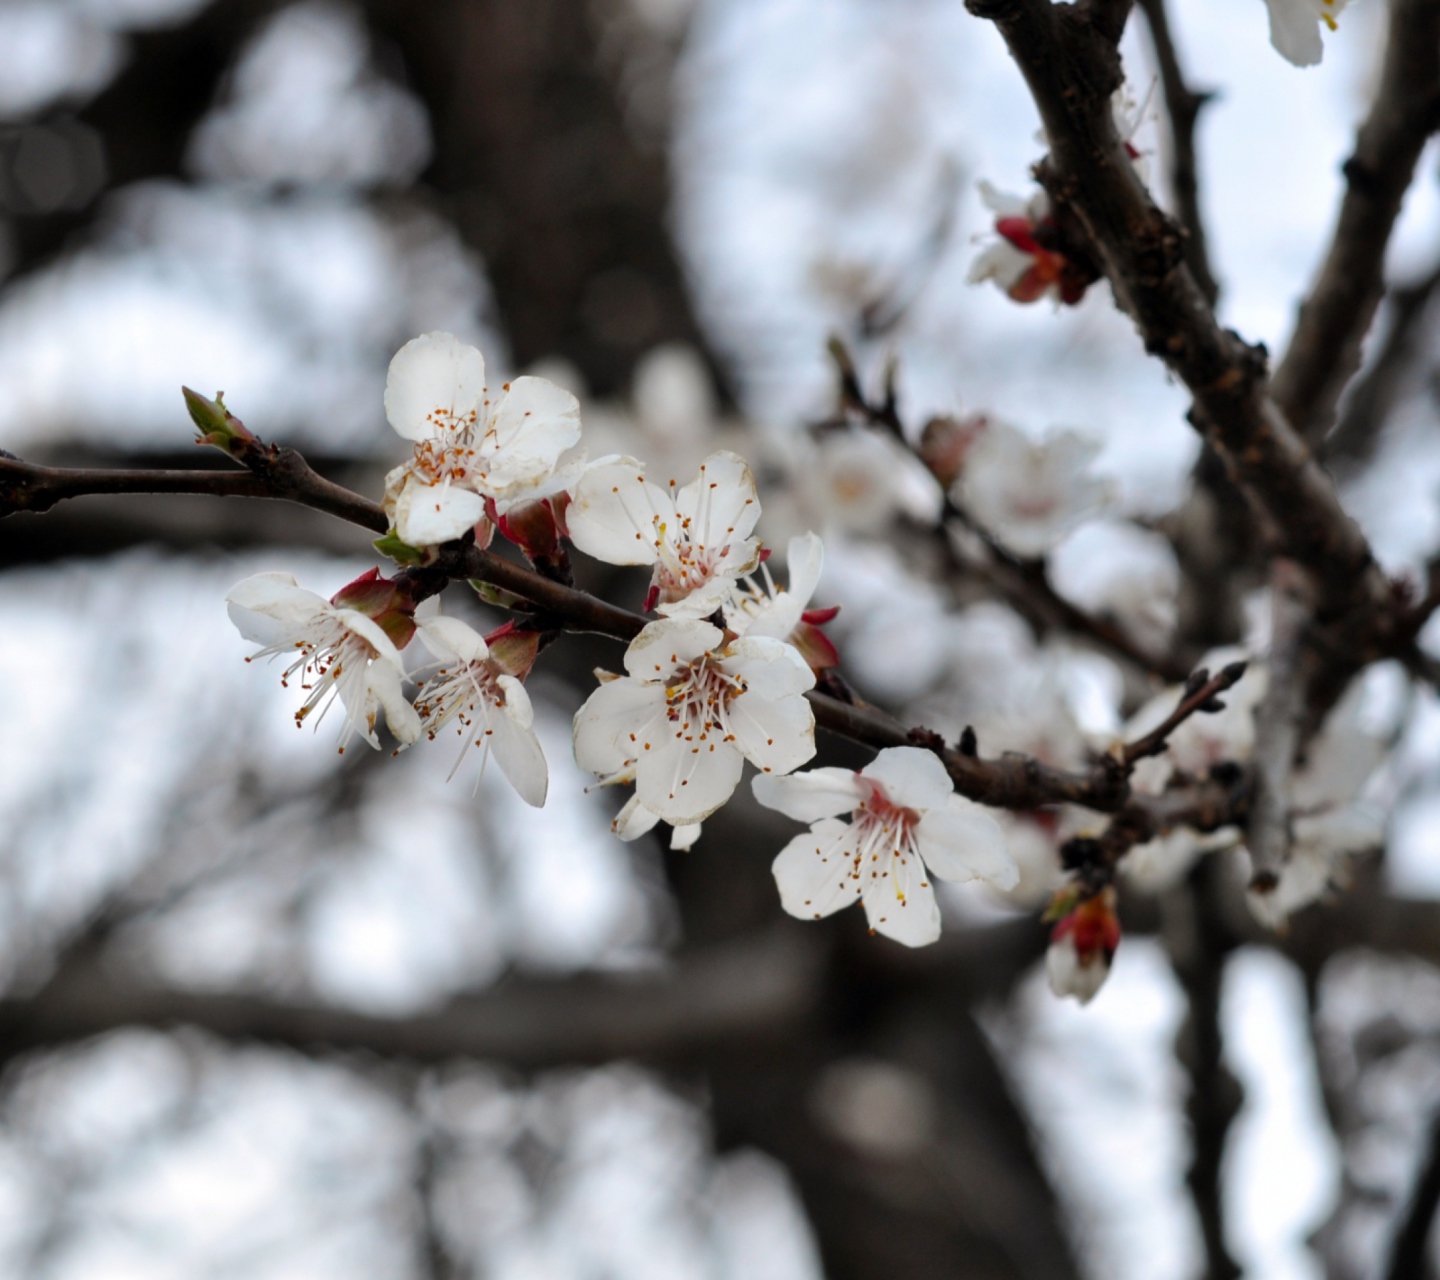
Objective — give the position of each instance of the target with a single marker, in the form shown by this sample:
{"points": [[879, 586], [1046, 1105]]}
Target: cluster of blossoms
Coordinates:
{"points": [[719, 676], [718, 679]]}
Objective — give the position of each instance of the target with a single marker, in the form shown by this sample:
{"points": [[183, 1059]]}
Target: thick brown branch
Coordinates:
{"points": [[1325, 351], [1183, 106], [1072, 65]]}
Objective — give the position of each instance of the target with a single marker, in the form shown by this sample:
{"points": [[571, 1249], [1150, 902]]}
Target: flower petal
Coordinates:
{"points": [[612, 727], [662, 646], [815, 872], [615, 513], [960, 841], [683, 837], [684, 782], [429, 514], [804, 561], [911, 777], [809, 796], [633, 820], [383, 683], [517, 701], [517, 750], [270, 608], [899, 901], [449, 638], [775, 735], [534, 422], [434, 380], [1295, 32], [721, 503], [770, 668]]}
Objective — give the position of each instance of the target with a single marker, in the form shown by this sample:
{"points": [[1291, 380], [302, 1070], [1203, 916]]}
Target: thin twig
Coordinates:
{"points": [[1183, 106], [1333, 321], [1200, 696]]}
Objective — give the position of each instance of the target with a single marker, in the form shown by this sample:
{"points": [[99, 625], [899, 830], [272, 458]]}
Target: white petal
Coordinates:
{"points": [[683, 837], [1295, 32], [721, 502], [899, 901], [634, 820], [662, 646], [808, 796], [270, 608], [371, 632], [517, 701], [537, 421], [434, 374], [770, 668], [815, 872], [911, 777], [684, 782], [517, 751], [705, 599], [775, 735], [615, 513], [615, 722], [383, 682], [804, 562], [1068, 977], [429, 514], [962, 842], [449, 638]]}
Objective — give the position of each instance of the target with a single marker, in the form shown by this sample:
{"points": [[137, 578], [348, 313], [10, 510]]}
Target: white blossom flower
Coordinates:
{"points": [[488, 704], [1082, 943], [470, 445], [1029, 494], [784, 614], [907, 824], [334, 651], [1022, 260], [1329, 819], [698, 538], [691, 711], [1295, 28], [858, 480], [634, 820]]}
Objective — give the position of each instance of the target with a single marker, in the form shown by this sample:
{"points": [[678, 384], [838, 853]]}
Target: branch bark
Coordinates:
{"points": [[1325, 350], [1069, 57]]}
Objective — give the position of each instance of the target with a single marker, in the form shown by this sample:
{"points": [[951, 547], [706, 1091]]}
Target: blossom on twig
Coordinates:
{"points": [[906, 825], [783, 613], [1026, 261], [1030, 494], [691, 710], [480, 690], [697, 537], [470, 445], [338, 648], [1082, 943]]}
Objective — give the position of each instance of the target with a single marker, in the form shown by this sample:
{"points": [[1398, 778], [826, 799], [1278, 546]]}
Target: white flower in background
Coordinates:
{"points": [[698, 538], [489, 706], [1029, 495], [1329, 821], [858, 481], [906, 825], [1082, 943], [470, 445], [1295, 28], [690, 713], [334, 651], [783, 614], [1113, 568]]}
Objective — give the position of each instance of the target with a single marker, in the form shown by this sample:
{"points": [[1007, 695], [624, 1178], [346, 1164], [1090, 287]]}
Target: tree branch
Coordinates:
{"points": [[1325, 350], [1277, 729], [1069, 57], [1183, 106], [1201, 691], [1409, 1256]]}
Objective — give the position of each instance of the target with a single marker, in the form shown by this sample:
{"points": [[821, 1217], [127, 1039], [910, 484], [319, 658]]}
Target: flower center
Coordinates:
{"points": [[885, 833], [697, 702], [457, 693]]}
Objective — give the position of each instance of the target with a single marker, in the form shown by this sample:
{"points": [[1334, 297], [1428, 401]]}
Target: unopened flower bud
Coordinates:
{"points": [[216, 424], [1082, 943], [537, 528], [944, 443], [513, 649]]}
